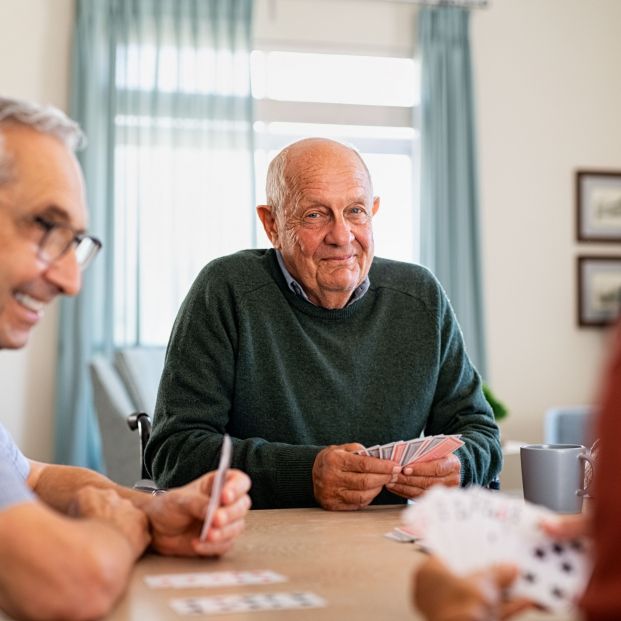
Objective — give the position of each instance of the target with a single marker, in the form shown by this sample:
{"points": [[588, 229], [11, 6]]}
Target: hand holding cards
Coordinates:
{"points": [[417, 450], [216, 489], [471, 529]]}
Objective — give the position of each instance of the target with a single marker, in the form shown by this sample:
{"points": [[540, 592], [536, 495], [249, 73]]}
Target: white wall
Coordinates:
{"points": [[34, 64], [549, 95], [548, 99]]}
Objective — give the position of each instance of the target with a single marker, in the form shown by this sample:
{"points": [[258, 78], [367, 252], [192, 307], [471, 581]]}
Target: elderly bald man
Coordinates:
{"points": [[306, 351]]}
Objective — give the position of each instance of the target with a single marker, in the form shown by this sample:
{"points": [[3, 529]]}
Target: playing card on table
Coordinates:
{"points": [[246, 603], [216, 489], [474, 528], [213, 579]]}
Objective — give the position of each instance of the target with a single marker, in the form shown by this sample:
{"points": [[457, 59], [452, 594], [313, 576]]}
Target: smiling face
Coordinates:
{"points": [[44, 181], [324, 229]]}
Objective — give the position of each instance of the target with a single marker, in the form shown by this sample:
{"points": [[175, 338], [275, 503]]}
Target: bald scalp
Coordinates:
{"points": [[286, 169]]}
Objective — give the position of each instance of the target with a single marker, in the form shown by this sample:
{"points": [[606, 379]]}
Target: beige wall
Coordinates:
{"points": [[548, 94], [548, 99], [34, 64]]}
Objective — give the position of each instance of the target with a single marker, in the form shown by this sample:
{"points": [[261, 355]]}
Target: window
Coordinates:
{"points": [[184, 179], [367, 101]]}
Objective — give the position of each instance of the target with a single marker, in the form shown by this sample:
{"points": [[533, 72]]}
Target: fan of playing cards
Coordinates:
{"points": [[473, 528], [415, 450]]}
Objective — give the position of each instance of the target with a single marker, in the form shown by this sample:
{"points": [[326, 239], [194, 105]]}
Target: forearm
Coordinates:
{"points": [[54, 567], [57, 485]]}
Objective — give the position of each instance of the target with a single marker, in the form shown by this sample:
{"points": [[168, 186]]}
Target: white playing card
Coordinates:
{"points": [[473, 528], [213, 579], [552, 573], [246, 603], [216, 490]]}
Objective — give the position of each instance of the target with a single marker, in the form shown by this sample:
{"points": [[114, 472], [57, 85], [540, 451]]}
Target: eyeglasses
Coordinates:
{"points": [[58, 238]]}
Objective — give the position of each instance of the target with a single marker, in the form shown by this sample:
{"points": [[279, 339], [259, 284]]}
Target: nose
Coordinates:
{"points": [[339, 233], [65, 274]]}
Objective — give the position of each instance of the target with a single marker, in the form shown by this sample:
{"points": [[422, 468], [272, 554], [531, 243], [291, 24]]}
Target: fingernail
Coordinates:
{"points": [[396, 470], [408, 471], [394, 478]]}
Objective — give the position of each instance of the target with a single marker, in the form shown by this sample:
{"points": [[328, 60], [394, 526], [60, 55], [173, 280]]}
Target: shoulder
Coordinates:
{"points": [[241, 272], [408, 279]]}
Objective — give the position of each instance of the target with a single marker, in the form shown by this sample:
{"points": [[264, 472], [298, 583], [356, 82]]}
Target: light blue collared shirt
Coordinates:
{"points": [[14, 470], [295, 286]]}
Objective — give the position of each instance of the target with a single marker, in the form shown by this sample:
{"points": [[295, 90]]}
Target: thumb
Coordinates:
{"points": [[504, 575]]}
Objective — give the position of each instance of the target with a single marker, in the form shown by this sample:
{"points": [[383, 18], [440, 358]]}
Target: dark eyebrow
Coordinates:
{"points": [[57, 215]]}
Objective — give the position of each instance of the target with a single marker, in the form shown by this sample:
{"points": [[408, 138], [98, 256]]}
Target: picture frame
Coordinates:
{"points": [[598, 205], [599, 290]]}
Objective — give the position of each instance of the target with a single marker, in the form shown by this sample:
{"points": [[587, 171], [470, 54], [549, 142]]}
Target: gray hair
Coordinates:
{"points": [[45, 119], [278, 185]]}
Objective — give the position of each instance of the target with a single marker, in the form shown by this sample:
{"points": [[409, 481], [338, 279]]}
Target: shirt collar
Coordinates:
{"points": [[295, 286]]}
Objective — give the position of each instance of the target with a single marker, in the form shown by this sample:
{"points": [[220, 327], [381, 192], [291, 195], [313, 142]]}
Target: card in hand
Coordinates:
{"points": [[218, 481], [473, 528], [415, 450]]}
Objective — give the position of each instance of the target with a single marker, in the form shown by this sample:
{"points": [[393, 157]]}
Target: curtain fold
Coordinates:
{"points": [[450, 230], [162, 91]]}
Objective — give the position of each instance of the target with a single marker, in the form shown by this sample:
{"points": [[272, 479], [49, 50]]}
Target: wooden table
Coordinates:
{"points": [[341, 556]]}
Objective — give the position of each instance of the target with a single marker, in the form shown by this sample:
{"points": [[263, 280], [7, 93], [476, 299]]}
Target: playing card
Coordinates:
{"points": [[214, 500], [246, 603], [439, 448], [401, 534], [474, 528], [552, 573], [408, 452], [213, 579]]}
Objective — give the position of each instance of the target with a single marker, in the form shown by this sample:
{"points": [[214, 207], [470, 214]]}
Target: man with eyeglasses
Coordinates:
{"points": [[69, 536]]}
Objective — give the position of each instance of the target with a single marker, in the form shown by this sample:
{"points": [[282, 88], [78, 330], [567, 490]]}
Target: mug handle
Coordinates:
{"points": [[585, 492]]}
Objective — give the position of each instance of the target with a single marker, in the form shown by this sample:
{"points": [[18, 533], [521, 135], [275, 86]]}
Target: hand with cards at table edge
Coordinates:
{"points": [[173, 520], [343, 480], [441, 595], [176, 518]]}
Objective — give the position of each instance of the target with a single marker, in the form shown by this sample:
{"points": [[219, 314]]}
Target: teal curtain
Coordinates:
{"points": [[450, 233], [162, 91]]}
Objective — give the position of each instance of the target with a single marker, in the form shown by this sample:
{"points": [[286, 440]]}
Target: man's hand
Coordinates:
{"points": [[177, 517], [343, 481], [106, 505], [440, 595], [417, 478]]}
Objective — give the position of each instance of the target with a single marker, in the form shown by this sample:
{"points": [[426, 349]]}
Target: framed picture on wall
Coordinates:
{"points": [[598, 205], [599, 290]]}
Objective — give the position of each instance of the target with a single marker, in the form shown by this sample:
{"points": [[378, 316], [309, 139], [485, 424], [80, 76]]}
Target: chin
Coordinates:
{"points": [[13, 340]]}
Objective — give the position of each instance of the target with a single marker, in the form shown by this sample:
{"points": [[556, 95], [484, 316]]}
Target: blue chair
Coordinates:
{"points": [[568, 425]]}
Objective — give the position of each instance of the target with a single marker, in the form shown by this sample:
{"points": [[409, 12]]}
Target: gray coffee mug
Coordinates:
{"points": [[553, 475]]}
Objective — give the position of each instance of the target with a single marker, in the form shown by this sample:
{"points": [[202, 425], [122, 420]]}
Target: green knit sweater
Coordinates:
{"points": [[285, 378]]}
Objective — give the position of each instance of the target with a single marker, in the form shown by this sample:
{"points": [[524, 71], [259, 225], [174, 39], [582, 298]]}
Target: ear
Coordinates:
{"points": [[376, 204], [269, 224]]}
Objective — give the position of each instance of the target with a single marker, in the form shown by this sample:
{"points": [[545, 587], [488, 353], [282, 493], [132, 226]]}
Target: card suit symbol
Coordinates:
{"points": [[576, 544], [567, 567], [539, 553], [558, 548], [529, 577], [558, 593]]}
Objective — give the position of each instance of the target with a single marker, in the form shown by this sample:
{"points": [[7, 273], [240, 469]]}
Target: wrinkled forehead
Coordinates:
{"points": [[328, 164], [39, 172]]}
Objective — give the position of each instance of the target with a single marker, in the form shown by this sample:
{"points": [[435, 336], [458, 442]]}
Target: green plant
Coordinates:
{"points": [[498, 407]]}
